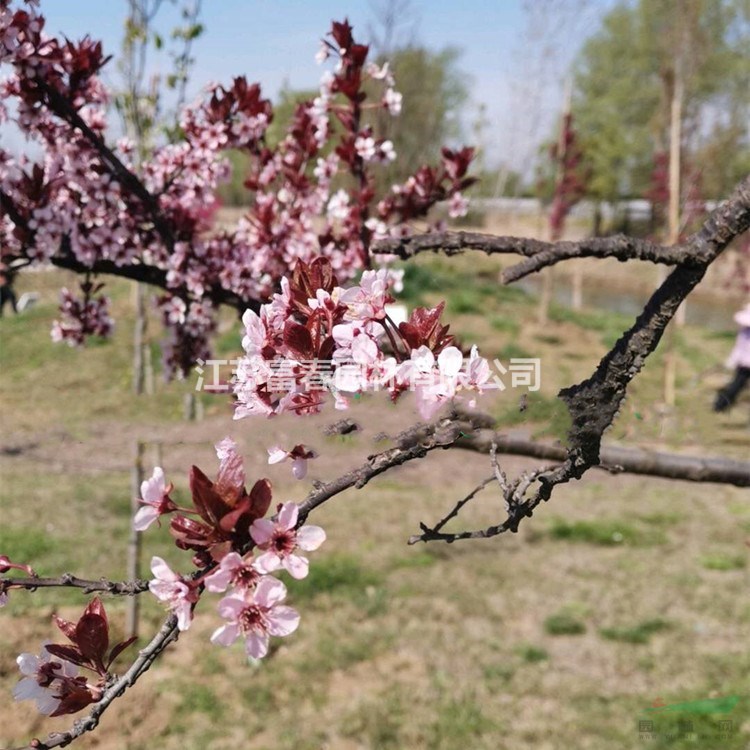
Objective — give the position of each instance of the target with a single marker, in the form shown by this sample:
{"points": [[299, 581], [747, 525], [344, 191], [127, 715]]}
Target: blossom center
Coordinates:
{"points": [[251, 618], [245, 577], [284, 542]]}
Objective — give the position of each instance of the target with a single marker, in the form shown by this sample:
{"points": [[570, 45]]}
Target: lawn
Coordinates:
{"points": [[621, 592]]}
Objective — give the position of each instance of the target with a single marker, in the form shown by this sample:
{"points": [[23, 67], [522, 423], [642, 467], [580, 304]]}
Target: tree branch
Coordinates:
{"points": [[167, 634], [141, 272], [618, 459], [538, 254], [692, 253], [128, 179], [31, 583]]}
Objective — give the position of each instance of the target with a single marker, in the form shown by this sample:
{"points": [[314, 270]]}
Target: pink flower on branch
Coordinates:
{"points": [[155, 499], [44, 680], [280, 539], [235, 571], [174, 590], [256, 615], [299, 456]]}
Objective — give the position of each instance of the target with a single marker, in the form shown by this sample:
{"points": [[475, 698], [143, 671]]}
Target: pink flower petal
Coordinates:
{"points": [[256, 645], [262, 531], [268, 562], [47, 703], [276, 455], [299, 468], [145, 517], [230, 607], [296, 565], [218, 581], [270, 591], [26, 689], [184, 612], [152, 490], [282, 620], [310, 538], [226, 635], [450, 361], [162, 571], [288, 515]]}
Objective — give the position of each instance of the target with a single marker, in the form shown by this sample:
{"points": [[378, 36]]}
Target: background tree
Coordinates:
{"points": [[623, 84]]}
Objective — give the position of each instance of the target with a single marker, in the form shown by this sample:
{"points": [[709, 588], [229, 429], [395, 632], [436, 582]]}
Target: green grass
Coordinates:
{"points": [[605, 532], [548, 412], [379, 721], [532, 654], [460, 722], [199, 698], [640, 633], [22, 544], [719, 561], [610, 325], [336, 575], [564, 623]]}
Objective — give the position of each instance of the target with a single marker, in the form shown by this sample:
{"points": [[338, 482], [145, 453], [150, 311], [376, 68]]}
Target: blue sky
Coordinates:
{"points": [[516, 59]]}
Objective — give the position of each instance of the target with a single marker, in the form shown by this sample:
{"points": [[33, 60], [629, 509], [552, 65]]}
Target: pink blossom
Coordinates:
{"points": [[299, 456], [171, 588], [155, 499], [235, 571], [322, 54], [477, 371], [43, 679], [368, 300], [457, 206], [365, 147], [279, 539], [256, 615], [338, 206], [387, 151], [392, 101]]}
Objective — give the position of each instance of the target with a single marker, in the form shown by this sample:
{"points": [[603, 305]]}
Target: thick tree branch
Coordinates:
{"points": [[594, 403], [538, 254], [618, 459]]}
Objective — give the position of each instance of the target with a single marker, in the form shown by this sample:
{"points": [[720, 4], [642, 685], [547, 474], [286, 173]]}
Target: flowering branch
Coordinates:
{"points": [[168, 633]]}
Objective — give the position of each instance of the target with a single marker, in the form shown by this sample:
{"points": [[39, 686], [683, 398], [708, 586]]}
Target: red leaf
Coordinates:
{"points": [[74, 701], [205, 498], [95, 607], [68, 653], [92, 637], [298, 339], [68, 628], [119, 648], [260, 498], [189, 534], [230, 481]]}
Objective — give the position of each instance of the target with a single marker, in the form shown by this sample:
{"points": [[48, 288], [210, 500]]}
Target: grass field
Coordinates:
{"points": [[621, 592]]}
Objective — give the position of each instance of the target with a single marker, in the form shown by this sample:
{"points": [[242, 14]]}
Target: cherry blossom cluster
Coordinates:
{"points": [[84, 317], [316, 338], [87, 203], [235, 548]]}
